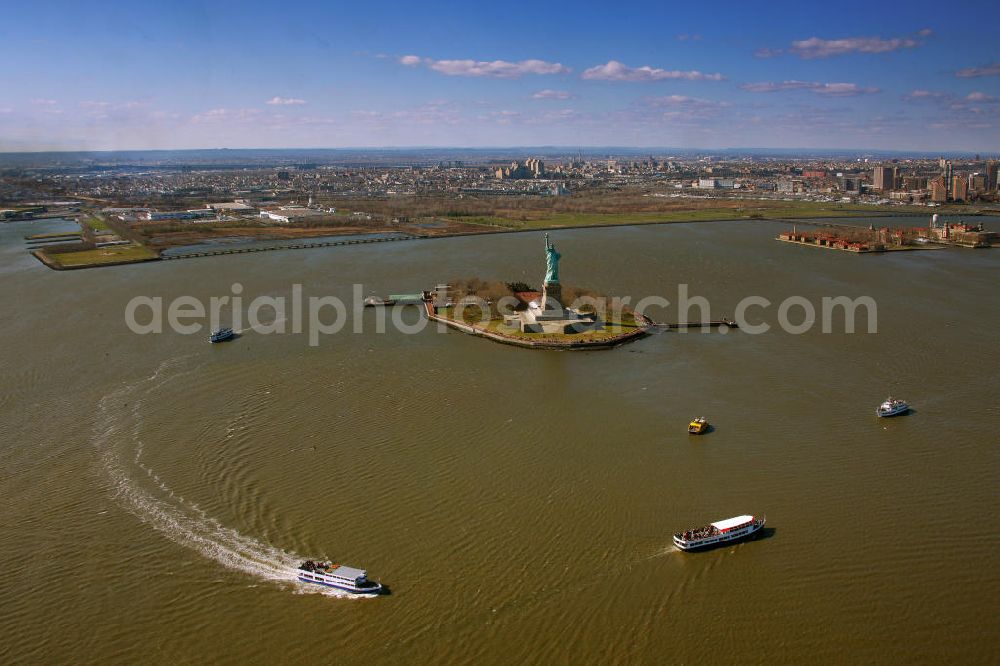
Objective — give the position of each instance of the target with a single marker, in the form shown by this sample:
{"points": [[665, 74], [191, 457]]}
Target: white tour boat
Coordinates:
{"points": [[892, 407], [719, 532], [338, 576]]}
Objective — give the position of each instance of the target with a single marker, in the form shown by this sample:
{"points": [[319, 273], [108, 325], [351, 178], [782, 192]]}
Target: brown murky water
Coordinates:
{"points": [[519, 503]]}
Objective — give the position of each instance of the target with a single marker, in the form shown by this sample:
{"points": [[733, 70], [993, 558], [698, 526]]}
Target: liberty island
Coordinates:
{"points": [[539, 321]]}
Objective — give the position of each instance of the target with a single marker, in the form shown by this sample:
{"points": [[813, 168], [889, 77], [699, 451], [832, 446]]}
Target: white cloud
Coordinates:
{"points": [[951, 100], [43, 102], [285, 101], [924, 94], [552, 94], [843, 89], [980, 97], [992, 69], [829, 89], [499, 69], [683, 100], [616, 71], [814, 47]]}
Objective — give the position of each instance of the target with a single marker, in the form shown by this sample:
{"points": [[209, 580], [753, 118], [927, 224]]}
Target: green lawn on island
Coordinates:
{"points": [[103, 255], [96, 223], [609, 330]]}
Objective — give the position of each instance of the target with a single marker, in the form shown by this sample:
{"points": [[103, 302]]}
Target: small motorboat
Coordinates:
{"points": [[892, 407], [698, 426], [221, 335]]}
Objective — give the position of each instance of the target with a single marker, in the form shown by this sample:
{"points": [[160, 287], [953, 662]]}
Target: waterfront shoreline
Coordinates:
{"points": [[303, 243], [551, 345]]}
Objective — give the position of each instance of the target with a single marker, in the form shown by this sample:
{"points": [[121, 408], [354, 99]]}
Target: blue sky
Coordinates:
{"points": [[143, 75]]}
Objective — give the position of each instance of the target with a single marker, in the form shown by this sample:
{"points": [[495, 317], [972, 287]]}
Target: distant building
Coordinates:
{"points": [[791, 186], [532, 168], [291, 214], [885, 178], [991, 176], [237, 207], [716, 184], [959, 189], [161, 215], [939, 190], [850, 183]]}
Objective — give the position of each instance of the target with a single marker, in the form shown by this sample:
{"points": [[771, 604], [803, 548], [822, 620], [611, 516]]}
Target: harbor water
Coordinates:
{"points": [[158, 490]]}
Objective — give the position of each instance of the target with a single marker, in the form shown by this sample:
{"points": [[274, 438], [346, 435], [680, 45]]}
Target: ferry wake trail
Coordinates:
{"points": [[118, 439]]}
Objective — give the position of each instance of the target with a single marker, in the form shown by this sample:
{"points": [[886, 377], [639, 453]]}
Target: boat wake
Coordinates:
{"points": [[118, 438]]}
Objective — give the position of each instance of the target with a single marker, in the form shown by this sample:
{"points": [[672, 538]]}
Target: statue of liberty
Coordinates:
{"points": [[551, 262]]}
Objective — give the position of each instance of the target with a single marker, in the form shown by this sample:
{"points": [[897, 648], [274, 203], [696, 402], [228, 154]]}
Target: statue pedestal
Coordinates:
{"points": [[552, 306], [549, 315]]}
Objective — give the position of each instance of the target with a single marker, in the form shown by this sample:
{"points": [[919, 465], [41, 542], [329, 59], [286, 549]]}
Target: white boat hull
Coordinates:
{"points": [[376, 588], [718, 539], [895, 411]]}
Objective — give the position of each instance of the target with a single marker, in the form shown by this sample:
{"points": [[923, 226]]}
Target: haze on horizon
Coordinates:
{"points": [[139, 76]]}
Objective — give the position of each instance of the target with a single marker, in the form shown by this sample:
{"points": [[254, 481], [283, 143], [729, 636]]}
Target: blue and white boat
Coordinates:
{"points": [[221, 335], [892, 407], [338, 576], [719, 532]]}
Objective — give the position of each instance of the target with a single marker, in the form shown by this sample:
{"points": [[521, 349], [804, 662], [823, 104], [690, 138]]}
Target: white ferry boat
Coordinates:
{"points": [[338, 576], [722, 531], [892, 407]]}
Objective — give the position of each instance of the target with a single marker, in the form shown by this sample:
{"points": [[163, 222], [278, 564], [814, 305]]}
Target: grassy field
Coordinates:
{"points": [[96, 223], [115, 254], [610, 330]]}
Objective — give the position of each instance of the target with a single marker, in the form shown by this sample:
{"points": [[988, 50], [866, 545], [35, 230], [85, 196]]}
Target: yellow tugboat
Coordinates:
{"points": [[698, 426]]}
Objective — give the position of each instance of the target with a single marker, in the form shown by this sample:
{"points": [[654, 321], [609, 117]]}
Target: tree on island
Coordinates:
{"points": [[516, 287], [490, 292]]}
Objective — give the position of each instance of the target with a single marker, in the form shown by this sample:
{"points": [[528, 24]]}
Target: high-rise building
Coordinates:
{"points": [[991, 176], [959, 188], [532, 168], [885, 178], [939, 190], [948, 176]]}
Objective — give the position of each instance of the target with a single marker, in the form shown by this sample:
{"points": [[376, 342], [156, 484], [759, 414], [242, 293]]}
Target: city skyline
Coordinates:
{"points": [[119, 76]]}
